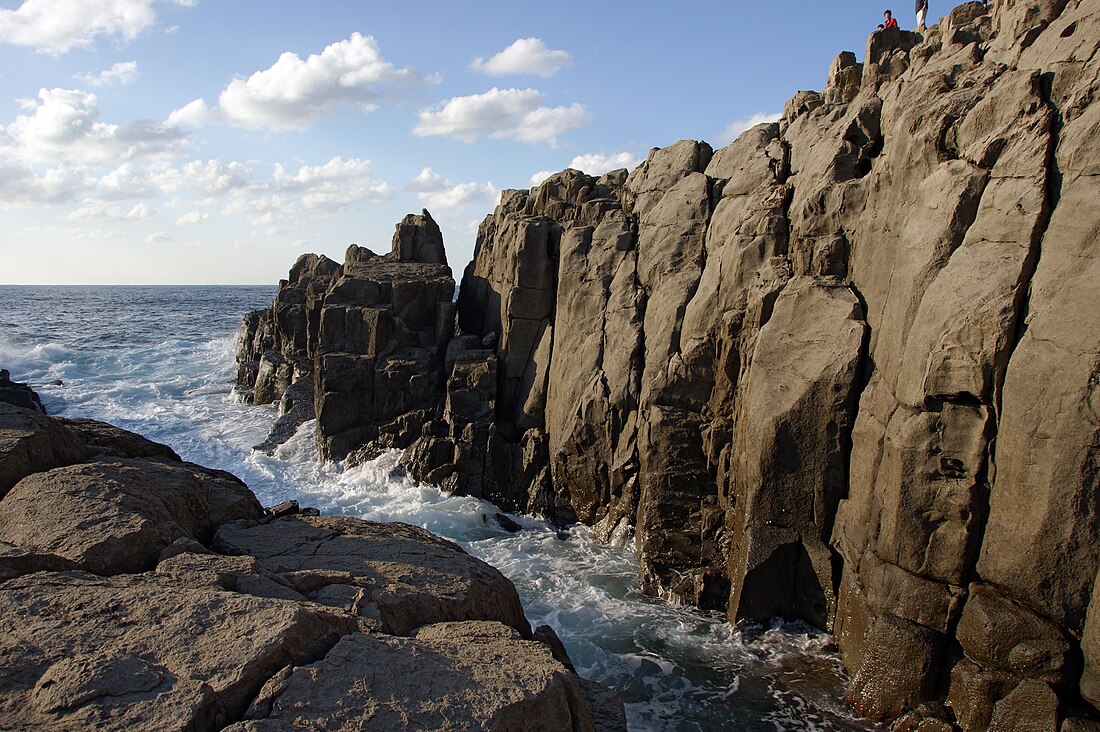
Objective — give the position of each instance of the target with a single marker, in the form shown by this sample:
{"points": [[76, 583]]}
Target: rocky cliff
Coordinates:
{"points": [[138, 591], [843, 369]]}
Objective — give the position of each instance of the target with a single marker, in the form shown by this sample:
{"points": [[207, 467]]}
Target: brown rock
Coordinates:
{"points": [[452, 676], [118, 516], [401, 575], [144, 652], [31, 442]]}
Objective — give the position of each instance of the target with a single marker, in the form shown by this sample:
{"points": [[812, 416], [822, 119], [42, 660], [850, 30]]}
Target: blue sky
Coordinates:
{"points": [[212, 141]]}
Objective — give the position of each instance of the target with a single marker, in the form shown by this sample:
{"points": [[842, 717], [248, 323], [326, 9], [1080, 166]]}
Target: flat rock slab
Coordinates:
{"points": [[139, 653], [446, 677], [118, 516], [400, 575]]}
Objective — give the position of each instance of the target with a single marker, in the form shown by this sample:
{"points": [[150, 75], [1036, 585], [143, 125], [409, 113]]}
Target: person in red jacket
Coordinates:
{"points": [[891, 22]]}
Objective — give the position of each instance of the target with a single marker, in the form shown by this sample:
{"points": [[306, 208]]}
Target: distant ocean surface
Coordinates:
{"points": [[159, 361]]}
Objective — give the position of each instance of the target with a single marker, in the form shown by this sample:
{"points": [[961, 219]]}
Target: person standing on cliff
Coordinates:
{"points": [[891, 22], [922, 13]]}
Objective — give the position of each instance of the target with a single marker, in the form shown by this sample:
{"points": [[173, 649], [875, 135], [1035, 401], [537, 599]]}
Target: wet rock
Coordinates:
{"points": [[19, 395]]}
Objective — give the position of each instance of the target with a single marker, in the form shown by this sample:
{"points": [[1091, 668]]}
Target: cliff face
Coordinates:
{"points": [[843, 369], [359, 345]]}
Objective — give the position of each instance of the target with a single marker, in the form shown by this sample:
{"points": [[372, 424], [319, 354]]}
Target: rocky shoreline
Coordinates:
{"points": [[842, 369], [139, 591]]}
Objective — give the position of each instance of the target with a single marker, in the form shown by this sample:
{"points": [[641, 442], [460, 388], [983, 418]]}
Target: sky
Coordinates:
{"points": [[213, 141]]}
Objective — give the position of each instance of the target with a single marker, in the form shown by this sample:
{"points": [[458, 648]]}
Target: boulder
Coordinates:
{"points": [[131, 652], [31, 442], [19, 395], [450, 676], [399, 575], [118, 515]]}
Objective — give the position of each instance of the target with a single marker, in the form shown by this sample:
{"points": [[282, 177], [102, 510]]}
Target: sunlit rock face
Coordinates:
{"points": [[843, 369]]}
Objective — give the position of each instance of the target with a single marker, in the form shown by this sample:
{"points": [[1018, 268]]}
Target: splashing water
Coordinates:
{"points": [[159, 361]]}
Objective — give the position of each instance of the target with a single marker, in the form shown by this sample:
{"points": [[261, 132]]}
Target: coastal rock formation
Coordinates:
{"points": [[843, 369], [138, 591], [359, 345]]}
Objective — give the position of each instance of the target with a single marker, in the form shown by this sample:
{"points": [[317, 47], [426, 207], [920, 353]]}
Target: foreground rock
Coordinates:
{"points": [[843, 369], [424, 682], [138, 591]]}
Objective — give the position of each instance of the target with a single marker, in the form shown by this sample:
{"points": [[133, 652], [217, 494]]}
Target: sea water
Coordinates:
{"points": [[159, 361]]}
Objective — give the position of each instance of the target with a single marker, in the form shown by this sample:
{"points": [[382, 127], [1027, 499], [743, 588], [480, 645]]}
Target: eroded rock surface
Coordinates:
{"points": [[843, 369], [140, 592]]}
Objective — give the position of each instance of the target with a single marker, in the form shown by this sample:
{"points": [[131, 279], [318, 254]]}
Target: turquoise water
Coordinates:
{"points": [[159, 361]]}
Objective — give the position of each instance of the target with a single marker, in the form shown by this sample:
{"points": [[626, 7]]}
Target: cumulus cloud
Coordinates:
{"points": [[436, 192], [21, 184], [58, 26], [193, 114], [206, 178], [734, 129], [593, 164], [122, 73], [64, 125], [192, 217], [158, 237], [324, 189], [501, 113], [333, 186], [596, 164], [524, 56], [294, 93], [540, 176], [125, 182]]}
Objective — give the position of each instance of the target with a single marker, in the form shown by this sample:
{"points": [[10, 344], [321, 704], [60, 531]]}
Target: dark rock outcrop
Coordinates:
{"points": [[138, 591], [18, 394], [843, 369], [359, 345]]}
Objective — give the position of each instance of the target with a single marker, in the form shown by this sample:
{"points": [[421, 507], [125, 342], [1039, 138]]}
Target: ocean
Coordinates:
{"points": [[159, 361]]}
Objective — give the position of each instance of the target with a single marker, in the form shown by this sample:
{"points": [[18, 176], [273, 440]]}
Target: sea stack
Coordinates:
{"points": [[843, 369]]}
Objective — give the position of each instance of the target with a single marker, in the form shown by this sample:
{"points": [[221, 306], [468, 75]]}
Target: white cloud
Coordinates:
{"points": [[293, 93], [540, 176], [192, 217], [122, 73], [158, 237], [21, 184], [734, 129], [193, 114], [333, 186], [524, 56], [65, 126], [58, 26], [439, 193], [125, 182], [81, 232], [312, 189], [209, 178], [596, 164], [501, 113], [592, 164], [100, 210]]}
